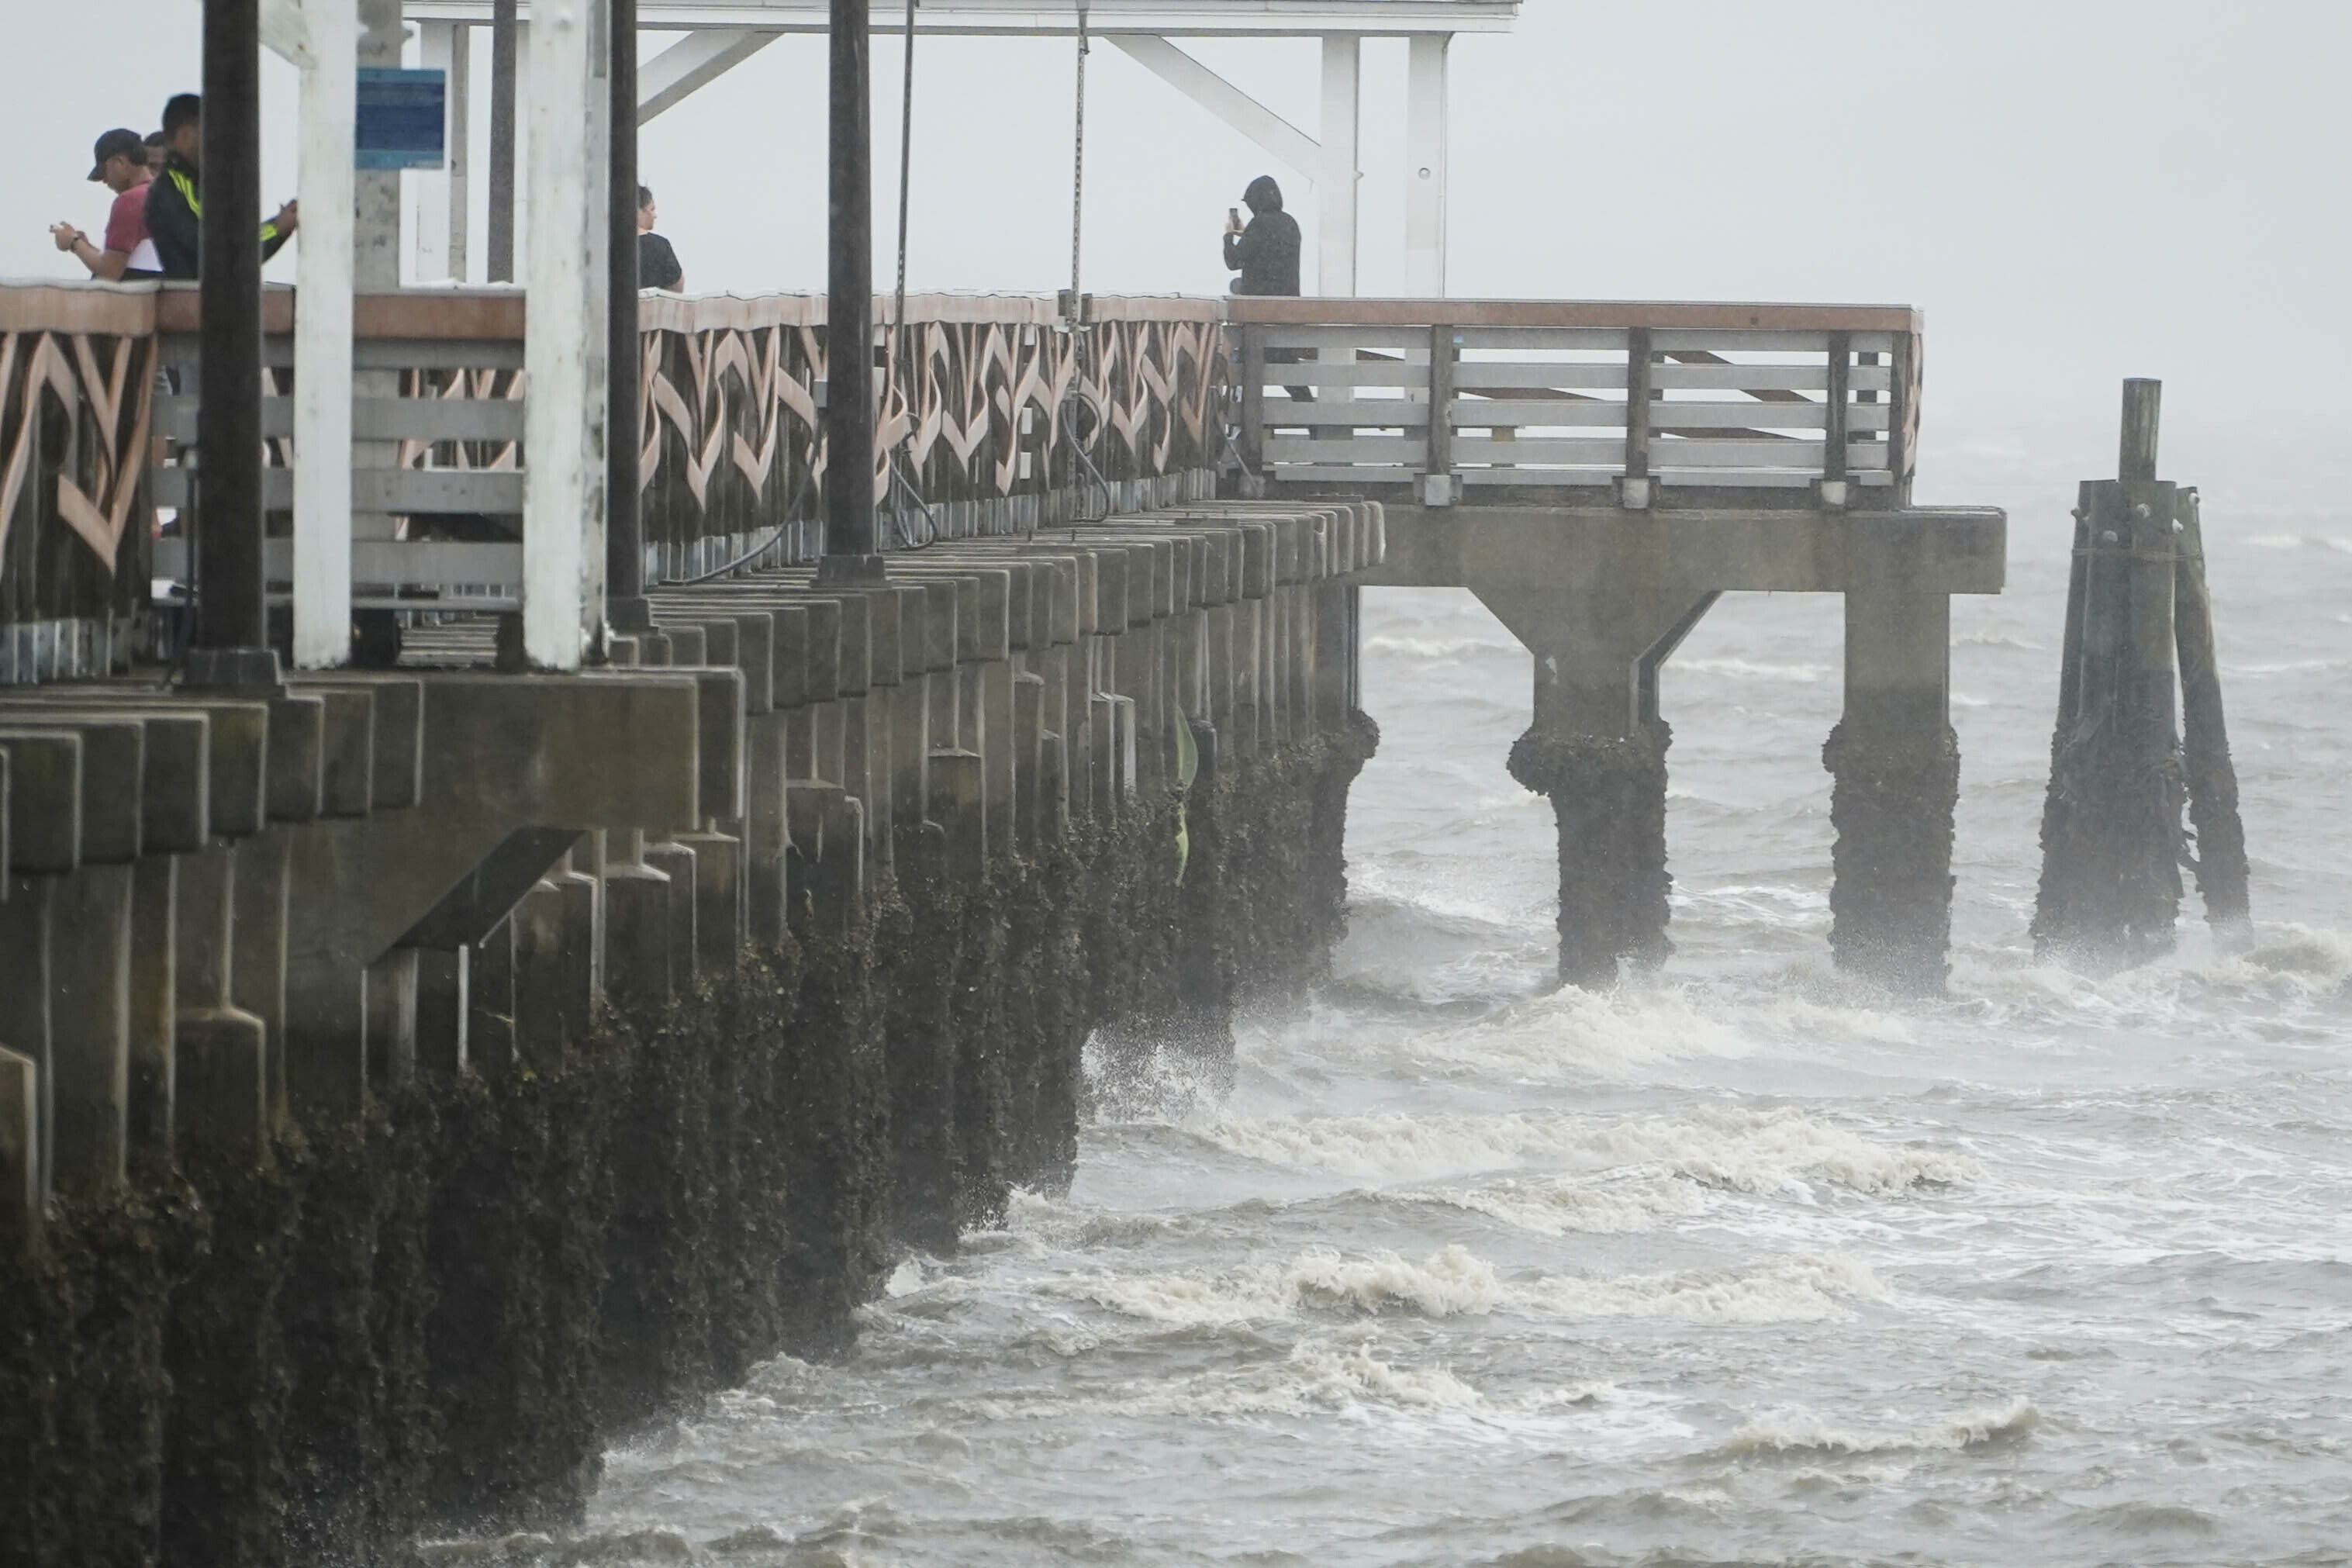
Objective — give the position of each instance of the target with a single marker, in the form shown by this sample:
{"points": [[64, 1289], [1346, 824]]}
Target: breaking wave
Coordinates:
{"points": [[1800, 1432], [1783, 1151], [1319, 1377], [1791, 1291], [1451, 1282]]}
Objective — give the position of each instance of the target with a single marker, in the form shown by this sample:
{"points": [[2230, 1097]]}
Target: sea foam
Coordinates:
{"points": [[1451, 1282], [1801, 1289], [1804, 1432], [1781, 1149]]}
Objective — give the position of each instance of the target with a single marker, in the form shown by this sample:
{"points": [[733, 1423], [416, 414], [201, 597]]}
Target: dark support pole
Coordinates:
{"points": [[849, 544], [230, 644], [2143, 410], [2111, 827], [1835, 424], [625, 609], [2211, 777], [1637, 490], [502, 142]]}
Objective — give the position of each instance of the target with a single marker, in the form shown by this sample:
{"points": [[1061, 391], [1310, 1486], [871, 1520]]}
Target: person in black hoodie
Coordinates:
{"points": [[175, 206], [1265, 254]]}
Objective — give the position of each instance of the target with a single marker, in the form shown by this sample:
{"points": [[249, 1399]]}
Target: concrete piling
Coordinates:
{"points": [[852, 875], [443, 1010], [90, 1028], [639, 975], [25, 1005], [1896, 766], [21, 1202], [154, 1003]]}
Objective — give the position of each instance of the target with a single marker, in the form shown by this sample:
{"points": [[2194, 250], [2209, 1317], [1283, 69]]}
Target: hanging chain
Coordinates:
{"points": [[905, 153], [906, 170], [1078, 167]]}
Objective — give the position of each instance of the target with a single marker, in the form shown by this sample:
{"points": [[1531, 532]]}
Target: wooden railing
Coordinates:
{"points": [[1664, 404], [995, 415], [975, 400], [76, 387]]}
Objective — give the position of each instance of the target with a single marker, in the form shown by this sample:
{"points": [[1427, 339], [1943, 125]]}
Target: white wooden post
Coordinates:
{"points": [[326, 184], [1342, 74], [1424, 157], [429, 190], [563, 335], [461, 141]]}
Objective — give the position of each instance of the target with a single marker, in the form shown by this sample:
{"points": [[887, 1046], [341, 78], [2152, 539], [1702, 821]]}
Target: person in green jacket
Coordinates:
{"points": [[175, 206]]}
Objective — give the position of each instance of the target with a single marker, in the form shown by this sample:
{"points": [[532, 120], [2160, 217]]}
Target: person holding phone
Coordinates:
{"points": [[1264, 251]]}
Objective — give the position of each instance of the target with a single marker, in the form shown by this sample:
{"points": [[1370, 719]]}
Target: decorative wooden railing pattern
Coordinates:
{"points": [[996, 415], [1696, 403], [975, 392], [76, 402]]}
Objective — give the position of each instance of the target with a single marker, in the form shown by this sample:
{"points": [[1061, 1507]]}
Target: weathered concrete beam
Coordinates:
{"points": [[99, 820], [396, 740], [296, 786], [474, 905], [173, 790], [235, 745], [45, 795], [1961, 549]]}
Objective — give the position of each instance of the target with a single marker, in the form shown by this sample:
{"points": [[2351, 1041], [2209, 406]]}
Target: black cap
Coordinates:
{"points": [[116, 143]]}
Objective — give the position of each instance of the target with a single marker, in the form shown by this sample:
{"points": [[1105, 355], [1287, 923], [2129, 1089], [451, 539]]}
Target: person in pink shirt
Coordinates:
{"points": [[119, 162]]}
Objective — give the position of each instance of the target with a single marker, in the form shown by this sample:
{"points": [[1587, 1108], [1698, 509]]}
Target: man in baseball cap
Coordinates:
{"points": [[119, 162]]}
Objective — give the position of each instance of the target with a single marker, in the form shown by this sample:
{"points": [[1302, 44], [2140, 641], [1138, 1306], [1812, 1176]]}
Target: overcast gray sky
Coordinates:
{"points": [[2074, 190]]}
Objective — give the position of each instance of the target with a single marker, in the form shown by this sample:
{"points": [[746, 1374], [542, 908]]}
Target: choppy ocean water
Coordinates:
{"points": [[1739, 1263]]}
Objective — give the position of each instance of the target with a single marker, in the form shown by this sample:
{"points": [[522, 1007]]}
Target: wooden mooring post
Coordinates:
{"points": [[2137, 618]]}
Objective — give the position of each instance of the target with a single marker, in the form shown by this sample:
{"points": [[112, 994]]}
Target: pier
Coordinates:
{"points": [[778, 931], [546, 874]]}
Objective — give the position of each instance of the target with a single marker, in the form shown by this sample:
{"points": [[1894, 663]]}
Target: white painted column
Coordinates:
{"points": [[326, 185], [461, 150], [563, 335], [429, 194], [1424, 157], [1342, 76]]}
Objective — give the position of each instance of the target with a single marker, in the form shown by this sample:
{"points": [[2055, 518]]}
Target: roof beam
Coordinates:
{"points": [[693, 63], [1229, 103], [1058, 18]]}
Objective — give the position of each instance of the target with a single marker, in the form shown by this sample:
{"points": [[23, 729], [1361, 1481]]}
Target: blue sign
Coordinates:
{"points": [[402, 117]]}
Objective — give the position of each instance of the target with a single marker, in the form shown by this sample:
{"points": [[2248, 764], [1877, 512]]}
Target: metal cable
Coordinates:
{"points": [[906, 170], [758, 549], [1078, 166]]}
